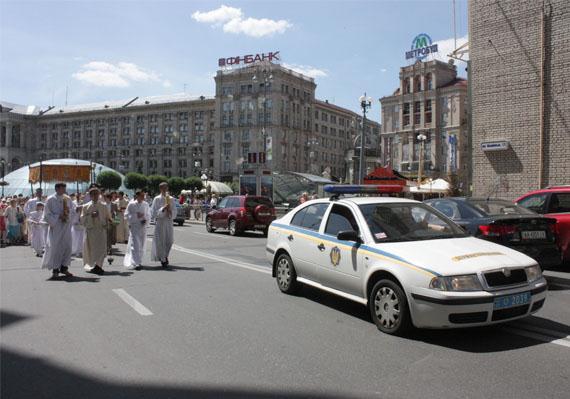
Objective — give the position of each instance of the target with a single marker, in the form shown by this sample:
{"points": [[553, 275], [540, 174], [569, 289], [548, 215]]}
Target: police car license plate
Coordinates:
{"points": [[510, 301], [533, 235]]}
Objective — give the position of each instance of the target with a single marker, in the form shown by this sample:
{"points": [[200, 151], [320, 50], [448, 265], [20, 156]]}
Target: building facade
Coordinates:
{"points": [[263, 108], [521, 125], [431, 100]]}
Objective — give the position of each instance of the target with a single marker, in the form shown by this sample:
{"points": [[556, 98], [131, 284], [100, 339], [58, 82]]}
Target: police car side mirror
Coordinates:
{"points": [[214, 207], [348, 235]]}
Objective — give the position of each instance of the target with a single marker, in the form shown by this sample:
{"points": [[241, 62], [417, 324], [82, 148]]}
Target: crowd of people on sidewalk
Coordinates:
{"points": [[87, 225]]}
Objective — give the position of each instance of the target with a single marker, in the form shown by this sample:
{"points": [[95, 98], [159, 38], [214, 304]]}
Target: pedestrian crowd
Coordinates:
{"points": [[88, 225]]}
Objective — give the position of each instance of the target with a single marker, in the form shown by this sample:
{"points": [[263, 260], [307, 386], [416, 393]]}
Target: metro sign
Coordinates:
{"points": [[422, 46], [249, 59]]}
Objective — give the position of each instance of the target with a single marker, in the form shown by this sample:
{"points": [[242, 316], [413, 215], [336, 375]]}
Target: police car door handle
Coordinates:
{"points": [[321, 247], [290, 237]]}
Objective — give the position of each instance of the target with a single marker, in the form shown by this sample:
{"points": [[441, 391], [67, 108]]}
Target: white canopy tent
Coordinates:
{"points": [[437, 186], [217, 187]]}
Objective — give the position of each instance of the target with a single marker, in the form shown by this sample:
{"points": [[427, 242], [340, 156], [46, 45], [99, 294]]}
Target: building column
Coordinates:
{"points": [[8, 134]]}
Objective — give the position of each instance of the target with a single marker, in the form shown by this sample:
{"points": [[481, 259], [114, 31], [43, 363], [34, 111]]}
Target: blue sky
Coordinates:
{"points": [[121, 49]]}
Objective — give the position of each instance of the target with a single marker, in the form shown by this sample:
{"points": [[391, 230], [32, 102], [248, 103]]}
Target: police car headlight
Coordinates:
{"points": [[468, 282], [533, 273]]}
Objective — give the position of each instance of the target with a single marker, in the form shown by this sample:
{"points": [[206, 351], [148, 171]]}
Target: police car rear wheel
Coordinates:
{"points": [[389, 307], [285, 275]]}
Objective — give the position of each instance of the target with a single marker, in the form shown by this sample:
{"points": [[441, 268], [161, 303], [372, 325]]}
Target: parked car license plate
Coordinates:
{"points": [[510, 301], [533, 235]]}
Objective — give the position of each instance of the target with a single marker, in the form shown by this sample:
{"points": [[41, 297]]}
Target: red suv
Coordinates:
{"points": [[553, 202], [241, 212]]}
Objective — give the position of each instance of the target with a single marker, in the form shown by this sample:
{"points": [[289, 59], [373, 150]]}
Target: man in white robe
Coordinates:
{"points": [[122, 227], [95, 217], [77, 229], [137, 216], [163, 211], [37, 229], [57, 214], [31, 207]]}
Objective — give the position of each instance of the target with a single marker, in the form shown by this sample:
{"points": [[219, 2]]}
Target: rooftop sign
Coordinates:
{"points": [[421, 47], [249, 59]]}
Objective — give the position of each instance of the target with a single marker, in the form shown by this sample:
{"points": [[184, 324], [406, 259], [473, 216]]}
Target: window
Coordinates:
{"points": [[310, 217], [406, 114], [223, 203], [559, 203], [340, 219], [534, 202], [427, 111], [429, 81]]}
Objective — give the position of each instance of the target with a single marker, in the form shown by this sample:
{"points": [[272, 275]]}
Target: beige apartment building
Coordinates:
{"points": [[520, 59], [259, 107], [431, 100]]}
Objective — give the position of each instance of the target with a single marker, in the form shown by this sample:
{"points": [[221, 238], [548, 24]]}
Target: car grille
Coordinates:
{"points": [[499, 279], [503, 314], [465, 318]]}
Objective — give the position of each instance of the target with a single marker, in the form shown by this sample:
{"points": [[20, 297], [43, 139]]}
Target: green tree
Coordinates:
{"points": [[135, 181], [154, 181], [175, 185], [109, 180], [193, 183]]}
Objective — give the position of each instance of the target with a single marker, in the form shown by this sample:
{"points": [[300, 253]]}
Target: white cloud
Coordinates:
{"points": [[219, 15], [234, 22], [446, 46], [307, 70], [256, 27], [105, 74]]}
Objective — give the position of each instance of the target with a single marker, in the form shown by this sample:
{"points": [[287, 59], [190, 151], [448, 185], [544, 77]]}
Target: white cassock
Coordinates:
{"points": [[77, 232], [95, 242], [37, 229], [28, 209], [58, 244], [122, 227], [135, 214], [163, 229]]}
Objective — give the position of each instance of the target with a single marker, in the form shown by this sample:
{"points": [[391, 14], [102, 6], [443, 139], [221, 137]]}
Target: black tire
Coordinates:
{"points": [[389, 308], [285, 275], [232, 227], [209, 227], [265, 231], [181, 223]]}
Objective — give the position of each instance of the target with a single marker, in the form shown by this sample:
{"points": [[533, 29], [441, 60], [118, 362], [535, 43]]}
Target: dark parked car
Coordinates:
{"points": [[504, 223], [241, 212]]}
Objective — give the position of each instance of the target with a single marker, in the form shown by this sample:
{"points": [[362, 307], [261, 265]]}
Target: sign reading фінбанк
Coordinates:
{"points": [[421, 47], [249, 59]]}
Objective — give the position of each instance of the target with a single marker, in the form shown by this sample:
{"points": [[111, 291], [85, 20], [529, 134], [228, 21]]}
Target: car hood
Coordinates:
{"points": [[452, 256]]}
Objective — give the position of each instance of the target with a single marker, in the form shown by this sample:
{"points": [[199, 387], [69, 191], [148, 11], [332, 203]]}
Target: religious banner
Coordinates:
{"points": [[60, 173]]}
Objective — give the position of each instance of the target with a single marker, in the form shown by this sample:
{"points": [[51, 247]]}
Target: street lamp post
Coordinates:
{"points": [[365, 103], [421, 138]]}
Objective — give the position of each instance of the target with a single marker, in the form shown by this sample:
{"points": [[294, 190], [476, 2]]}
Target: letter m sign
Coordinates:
{"points": [[421, 41]]}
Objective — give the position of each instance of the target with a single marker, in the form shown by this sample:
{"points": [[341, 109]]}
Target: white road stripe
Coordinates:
{"points": [[539, 337], [233, 262], [209, 234], [132, 302]]}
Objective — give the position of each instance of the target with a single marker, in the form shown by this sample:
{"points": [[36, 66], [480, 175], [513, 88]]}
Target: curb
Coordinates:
{"points": [[558, 279]]}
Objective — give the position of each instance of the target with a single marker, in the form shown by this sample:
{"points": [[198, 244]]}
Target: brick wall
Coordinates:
{"points": [[505, 51]]}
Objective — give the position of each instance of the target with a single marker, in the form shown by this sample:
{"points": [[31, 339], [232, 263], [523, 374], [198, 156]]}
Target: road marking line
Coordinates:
{"points": [[209, 234], [132, 302], [539, 337], [229, 261]]}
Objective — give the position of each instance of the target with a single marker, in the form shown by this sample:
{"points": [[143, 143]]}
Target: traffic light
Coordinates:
{"points": [[261, 157], [251, 157]]}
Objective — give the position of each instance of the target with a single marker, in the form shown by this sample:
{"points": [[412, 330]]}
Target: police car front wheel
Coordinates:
{"points": [[285, 274], [389, 308]]}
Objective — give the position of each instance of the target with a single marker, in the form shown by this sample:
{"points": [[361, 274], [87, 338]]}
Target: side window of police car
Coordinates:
{"points": [[340, 219], [310, 217]]}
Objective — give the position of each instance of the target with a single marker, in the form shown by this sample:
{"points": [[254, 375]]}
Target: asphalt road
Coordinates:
{"points": [[216, 325]]}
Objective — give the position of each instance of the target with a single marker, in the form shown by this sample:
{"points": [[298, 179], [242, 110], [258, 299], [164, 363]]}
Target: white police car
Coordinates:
{"points": [[406, 261]]}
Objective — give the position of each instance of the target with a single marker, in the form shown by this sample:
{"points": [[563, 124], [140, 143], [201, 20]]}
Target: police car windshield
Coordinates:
{"points": [[407, 222]]}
